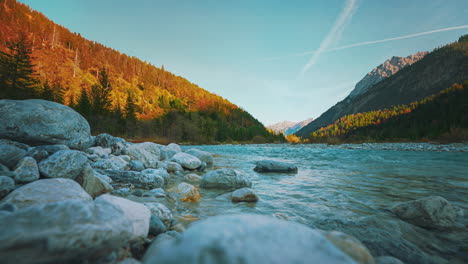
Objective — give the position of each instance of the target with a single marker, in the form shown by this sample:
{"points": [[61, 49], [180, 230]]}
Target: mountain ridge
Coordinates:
{"points": [[289, 127]]}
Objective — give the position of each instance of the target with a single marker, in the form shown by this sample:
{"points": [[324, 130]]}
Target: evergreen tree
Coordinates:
{"points": [[100, 94], [84, 105], [17, 76], [130, 108], [46, 92]]}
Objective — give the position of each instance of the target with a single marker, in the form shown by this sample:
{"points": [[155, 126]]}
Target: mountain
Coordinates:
{"points": [[400, 81], [289, 127], [164, 104]]}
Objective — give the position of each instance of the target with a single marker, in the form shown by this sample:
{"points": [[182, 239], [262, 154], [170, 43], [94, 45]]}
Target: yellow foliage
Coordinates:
{"points": [[293, 139]]}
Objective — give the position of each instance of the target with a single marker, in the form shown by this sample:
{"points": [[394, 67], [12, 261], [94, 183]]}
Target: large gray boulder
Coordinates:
{"points": [[99, 151], [351, 246], [26, 170], [429, 212], [63, 164], [225, 179], [70, 231], [111, 163], [274, 166], [40, 122], [187, 161], [201, 155], [46, 191], [11, 152], [244, 195], [171, 149], [146, 152], [93, 182], [247, 239], [138, 214]]}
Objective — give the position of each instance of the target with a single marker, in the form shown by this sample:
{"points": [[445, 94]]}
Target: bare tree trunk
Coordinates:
{"points": [[53, 38], [76, 63]]}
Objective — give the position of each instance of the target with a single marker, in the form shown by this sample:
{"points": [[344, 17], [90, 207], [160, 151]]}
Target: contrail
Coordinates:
{"points": [[368, 42], [335, 32]]}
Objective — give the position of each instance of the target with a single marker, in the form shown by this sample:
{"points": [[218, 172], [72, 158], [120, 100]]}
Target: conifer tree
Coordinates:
{"points": [[46, 92], [130, 108], [84, 105], [17, 76], [100, 94]]}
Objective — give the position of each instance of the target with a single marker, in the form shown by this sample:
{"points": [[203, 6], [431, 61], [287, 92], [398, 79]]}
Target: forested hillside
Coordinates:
{"points": [[117, 93], [439, 117]]}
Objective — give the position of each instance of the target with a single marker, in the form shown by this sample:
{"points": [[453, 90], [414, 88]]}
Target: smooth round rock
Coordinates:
{"points": [[244, 195], [63, 164], [225, 179]]}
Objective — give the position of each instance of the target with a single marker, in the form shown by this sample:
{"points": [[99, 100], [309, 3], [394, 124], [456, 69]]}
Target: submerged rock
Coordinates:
{"points": [[189, 192], [46, 191], [40, 122], [26, 170], [158, 192], [247, 239], [202, 155], [429, 212], [274, 166], [187, 161], [63, 164], [244, 195], [194, 178], [225, 179], [351, 246], [156, 226]]}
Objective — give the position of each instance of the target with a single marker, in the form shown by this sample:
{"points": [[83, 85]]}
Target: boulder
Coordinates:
{"points": [[138, 214], [4, 168], [188, 192], [160, 240], [173, 167], [146, 152], [351, 246], [187, 161], [192, 177], [274, 166], [244, 195], [156, 226], [40, 122], [225, 179], [7, 185], [11, 152], [171, 149], [46, 191], [26, 170], [111, 163], [157, 172], [37, 154], [158, 192], [93, 182], [161, 211], [63, 164], [129, 261], [106, 141], [201, 155], [98, 150], [138, 179], [429, 212], [247, 239], [136, 165], [387, 260], [50, 149], [70, 231], [122, 191]]}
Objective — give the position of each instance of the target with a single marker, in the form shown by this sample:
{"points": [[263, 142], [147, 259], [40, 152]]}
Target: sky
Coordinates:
{"points": [[279, 60]]}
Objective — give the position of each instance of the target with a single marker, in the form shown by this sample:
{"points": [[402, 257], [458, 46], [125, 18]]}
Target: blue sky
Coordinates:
{"points": [[241, 49]]}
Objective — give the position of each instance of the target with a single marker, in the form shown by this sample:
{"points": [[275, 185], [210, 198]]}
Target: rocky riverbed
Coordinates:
{"points": [[69, 197]]}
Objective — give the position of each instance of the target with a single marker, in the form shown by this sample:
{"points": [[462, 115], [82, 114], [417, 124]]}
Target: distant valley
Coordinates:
{"points": [[289, 127]]}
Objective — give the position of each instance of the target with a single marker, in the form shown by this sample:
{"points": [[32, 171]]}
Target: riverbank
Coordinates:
{"points": [[70, 197]]}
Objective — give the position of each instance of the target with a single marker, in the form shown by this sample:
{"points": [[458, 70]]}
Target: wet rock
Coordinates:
{"points": [[158, 192], [173, 167], [11, 152], [171, 149], [26, 170], [194, 178], [46, 191], [40, 122], [351, 246], [188, 192], [157, 172], [122, 191], [136, 165], [160, 240], [429, 212], [7, 185], [125, 157], [129, 261], [4, 168], [387, 260], [247, 239], [98, 150], [146, 152], [161, 211], [64, 231], [244, 195], [138, 179], [274, 166], [225, 179], [63, 164], [105, 140], [202, 155], [8, 207], [138, 214], [111, 163], [178, 228], [138, 193], [93, 183], [156, 226], [50, 149], [37, 154], [187, 161]]}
